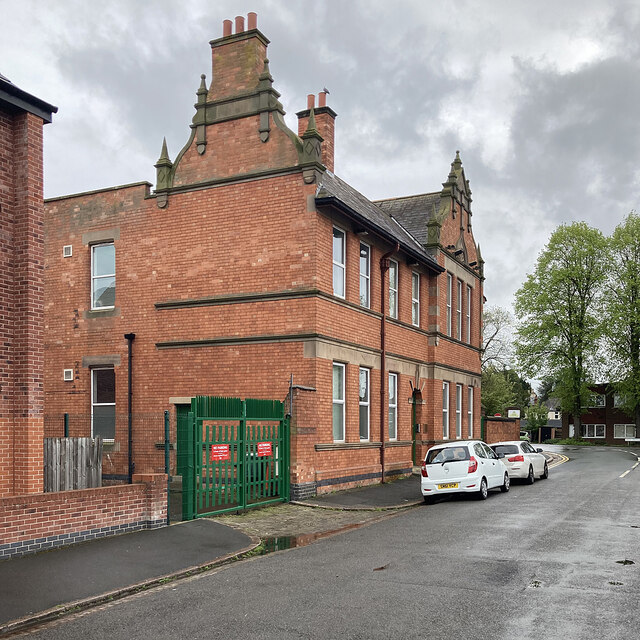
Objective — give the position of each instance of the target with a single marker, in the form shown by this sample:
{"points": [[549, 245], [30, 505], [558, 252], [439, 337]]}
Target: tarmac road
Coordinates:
{"points": [[539, 562]]}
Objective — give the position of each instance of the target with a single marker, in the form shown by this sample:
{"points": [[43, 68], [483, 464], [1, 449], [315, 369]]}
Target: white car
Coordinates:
{"points": [[522, 460], [463, 466]]}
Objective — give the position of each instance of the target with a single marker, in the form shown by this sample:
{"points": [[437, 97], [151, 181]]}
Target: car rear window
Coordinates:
{"points": [[506, 448], [453, 454]]}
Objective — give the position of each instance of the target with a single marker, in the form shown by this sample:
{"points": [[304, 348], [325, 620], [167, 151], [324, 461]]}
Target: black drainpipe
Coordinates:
{"points": [[130, 337], [384, 267]]}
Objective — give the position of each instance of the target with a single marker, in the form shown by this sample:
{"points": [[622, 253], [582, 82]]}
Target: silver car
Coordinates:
{"points": [[522, 460], [462, 466]]}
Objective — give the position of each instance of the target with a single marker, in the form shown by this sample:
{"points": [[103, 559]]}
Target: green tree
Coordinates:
{"points": [[545, 390], [521, 390], [497, 390], [536, 415], [559, 323], [622, 304]]}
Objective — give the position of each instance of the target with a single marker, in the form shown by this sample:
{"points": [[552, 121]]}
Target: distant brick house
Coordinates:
{"points": [[252, 263], [604, 420], [22, 117]]}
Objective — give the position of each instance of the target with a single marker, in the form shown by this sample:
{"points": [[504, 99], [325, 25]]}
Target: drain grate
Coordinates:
{"points": [[535, 584]]}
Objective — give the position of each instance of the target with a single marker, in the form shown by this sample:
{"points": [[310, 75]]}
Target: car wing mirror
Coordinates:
{"points": [[500, 455], [538, 450]]}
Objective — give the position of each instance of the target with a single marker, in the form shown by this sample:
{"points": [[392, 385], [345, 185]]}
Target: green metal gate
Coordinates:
{"points": [[232, 454]]}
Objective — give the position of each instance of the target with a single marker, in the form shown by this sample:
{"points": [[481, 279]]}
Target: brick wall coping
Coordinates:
{"points": [[81, 194]]}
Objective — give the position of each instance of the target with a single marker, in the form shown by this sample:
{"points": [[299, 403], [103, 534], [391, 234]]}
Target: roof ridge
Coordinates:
{"points": [[415, 195]]}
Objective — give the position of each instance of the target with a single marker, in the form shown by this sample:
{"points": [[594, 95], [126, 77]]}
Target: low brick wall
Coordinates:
{"points": [[501, 429], [34, 522]]}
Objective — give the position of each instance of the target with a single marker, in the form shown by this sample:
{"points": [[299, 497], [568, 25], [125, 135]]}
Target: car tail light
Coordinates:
{"points": [[516, 459], [423, 470], [473, 465]]}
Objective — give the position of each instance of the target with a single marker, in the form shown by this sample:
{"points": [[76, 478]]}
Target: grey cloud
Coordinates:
{"points": [[576, 131]]}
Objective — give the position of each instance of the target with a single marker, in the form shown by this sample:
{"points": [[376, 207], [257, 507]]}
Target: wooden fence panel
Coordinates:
{"points": [[72, 463]]}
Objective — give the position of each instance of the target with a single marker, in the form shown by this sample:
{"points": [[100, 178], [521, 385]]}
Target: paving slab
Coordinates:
{"points": [[35, 583], [390, 495]]}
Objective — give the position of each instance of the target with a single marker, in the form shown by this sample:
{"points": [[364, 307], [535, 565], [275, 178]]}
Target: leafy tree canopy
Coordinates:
{"points": [[559, 320], [502, 388], [536, 415], [622, 309]]}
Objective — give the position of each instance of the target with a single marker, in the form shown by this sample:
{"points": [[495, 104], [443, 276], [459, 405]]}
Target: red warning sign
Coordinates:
{"points": [[219, 452], [264, 449]]}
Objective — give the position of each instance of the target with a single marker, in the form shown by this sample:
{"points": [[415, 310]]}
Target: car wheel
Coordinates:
{"points": [[545, 473], [507, 484], [429, 499], [531, 478], [484, 490]]}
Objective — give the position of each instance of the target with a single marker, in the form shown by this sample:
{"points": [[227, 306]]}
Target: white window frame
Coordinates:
{"points": [[593, 428], [101, 404], [102, 276], [596, 400], [459, 309], [365, 278], [449, 294], [341, 266], [338, 402], [458, 411], [445, 410], [415, 298], [470, 412], [364, 403], [393, 288], [616, 431], [468, 314], [393, 408]]}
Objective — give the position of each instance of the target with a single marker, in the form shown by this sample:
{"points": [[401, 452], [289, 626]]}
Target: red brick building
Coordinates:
{"points": [[604, 420], [252, 264], [22, 117]]}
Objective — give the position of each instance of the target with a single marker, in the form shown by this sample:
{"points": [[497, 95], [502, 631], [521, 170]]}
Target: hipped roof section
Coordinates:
{"points": [[337, 193], [413, 212]]}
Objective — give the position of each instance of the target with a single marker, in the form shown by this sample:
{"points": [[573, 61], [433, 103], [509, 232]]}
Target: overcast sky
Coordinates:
{"points": [[541, 98]]}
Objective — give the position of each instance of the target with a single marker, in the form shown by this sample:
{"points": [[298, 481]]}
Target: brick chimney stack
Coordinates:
{"points": [[325, 124], [237, 58]]}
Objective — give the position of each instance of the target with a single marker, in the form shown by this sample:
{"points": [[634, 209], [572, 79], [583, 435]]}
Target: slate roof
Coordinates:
{"points": [[15, 100], [333, 190], [413, 212]]}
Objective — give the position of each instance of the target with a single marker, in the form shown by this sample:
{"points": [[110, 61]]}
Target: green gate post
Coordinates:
{"points": [[167, 468], [189, 497], [482, 428], [243, 467], [66, 425]]}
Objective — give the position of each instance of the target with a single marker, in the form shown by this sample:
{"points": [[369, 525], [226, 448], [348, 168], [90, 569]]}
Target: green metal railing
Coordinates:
{"points": [[233, 455]]}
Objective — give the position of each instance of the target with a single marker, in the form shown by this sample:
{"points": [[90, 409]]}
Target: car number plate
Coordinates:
{"points": [[448, 485]]}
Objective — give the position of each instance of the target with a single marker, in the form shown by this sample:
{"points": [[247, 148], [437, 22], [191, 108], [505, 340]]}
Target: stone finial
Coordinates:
{"points": [[311, 125], [311, 154], [163, 168], [202, 90]]}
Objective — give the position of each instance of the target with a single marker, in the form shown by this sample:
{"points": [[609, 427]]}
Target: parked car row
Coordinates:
{"points": [[472, 466]]}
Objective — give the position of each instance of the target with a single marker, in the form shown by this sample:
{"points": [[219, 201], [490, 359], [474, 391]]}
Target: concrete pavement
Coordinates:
{"points": [[46, 585]]}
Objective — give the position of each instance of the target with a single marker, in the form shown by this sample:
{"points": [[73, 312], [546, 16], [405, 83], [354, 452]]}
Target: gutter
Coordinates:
{"points": [[386, 235], [384, 267]]}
